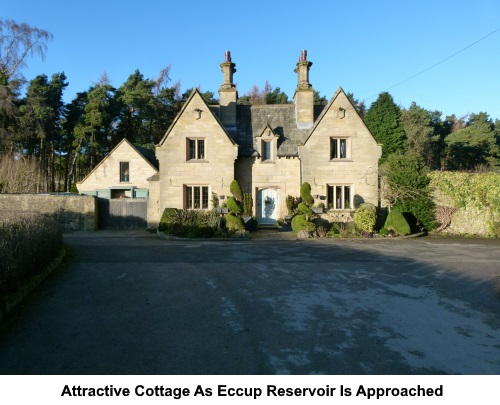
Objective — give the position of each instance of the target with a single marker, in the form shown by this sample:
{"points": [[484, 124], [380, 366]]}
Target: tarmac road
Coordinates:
{"points": [[130, 303]]}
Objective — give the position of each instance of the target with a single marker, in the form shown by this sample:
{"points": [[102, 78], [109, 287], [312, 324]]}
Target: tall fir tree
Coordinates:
{"points": [[383, 119]]}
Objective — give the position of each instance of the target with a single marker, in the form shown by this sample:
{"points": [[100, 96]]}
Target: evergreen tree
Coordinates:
{"points": [[276, 96], [383, 119], [473, 145], [318, 99], [41, 113], [419, 128], [136, 100], [359, 106]]}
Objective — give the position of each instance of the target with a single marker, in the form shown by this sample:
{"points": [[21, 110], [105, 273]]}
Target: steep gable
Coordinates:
{"points": [[143, 164], [195, 106], [340, 108]]}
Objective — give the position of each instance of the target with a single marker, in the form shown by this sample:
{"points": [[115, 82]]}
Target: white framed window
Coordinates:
{"points": [[339, 196], [340, 148], [196, 197], [195, 149], [124, 172]]}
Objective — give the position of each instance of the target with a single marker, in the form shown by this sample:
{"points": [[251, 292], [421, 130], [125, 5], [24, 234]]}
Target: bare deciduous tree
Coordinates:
{"points": [[20, 174], [17, 41]]}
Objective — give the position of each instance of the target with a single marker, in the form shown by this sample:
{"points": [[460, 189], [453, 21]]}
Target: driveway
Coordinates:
{"points": [[130, 303]]}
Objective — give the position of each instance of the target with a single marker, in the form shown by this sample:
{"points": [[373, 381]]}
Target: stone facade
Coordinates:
{"points": [[74, 213], [111, 179], [196, 159], [270, 149], [355, 167]]}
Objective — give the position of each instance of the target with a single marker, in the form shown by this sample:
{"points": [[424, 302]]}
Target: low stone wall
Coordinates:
{"points": [[74, 212]]}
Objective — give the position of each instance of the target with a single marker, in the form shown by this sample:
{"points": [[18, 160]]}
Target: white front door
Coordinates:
{"points": [[267, 205]]}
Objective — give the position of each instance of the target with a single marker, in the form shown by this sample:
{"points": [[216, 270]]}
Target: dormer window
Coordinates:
{"points": [[266, 144]]}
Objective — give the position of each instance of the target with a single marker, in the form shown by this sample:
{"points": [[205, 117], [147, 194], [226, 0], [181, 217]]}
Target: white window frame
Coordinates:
{"points": [[339, 202]]}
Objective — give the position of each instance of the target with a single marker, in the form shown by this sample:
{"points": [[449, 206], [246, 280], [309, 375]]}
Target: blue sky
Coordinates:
{"points": [[364, 46]]}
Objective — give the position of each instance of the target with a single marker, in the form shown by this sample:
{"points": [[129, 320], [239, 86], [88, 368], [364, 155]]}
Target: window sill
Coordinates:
{"points": [[268, 161], [341, 160], [197, 161]]}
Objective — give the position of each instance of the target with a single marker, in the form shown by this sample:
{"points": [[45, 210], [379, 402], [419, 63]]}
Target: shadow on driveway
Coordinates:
{"points": [[131, 303]]}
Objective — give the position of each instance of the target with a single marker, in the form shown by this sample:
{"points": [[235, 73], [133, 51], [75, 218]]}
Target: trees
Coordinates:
{"points": [[420, 132], [39, 124], [276, 96], [473, 144], [406, 186], [318, 99], [358, 105], [135, 103], [268, 95], [383, 119], [17, 42]]}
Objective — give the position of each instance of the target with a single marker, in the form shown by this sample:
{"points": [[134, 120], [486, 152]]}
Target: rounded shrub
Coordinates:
{"points": [[365, 217], [233, 206], [300, 223], [397, 222], [234, 223]]}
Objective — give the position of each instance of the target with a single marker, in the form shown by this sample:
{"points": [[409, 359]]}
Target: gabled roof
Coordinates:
{"points": [[146, 154], [325, 110], [183, 109]]}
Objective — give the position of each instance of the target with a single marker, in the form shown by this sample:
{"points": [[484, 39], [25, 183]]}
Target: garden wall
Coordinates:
{"points": [[73, 212]]}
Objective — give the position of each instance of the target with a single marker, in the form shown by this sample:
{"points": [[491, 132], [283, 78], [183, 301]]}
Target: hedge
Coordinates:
{"points": [[27, 245], [472, 193]]}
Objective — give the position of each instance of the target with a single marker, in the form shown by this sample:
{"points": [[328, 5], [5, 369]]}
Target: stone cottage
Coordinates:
{"points": [[123, 173], [270, 149]]}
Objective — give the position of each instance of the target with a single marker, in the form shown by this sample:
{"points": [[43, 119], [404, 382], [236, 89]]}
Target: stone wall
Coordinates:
{"points": [[74, 212]]}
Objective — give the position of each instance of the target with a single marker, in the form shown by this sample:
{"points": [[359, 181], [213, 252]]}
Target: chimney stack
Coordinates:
{"points": [[228, 94], [304, 94]]}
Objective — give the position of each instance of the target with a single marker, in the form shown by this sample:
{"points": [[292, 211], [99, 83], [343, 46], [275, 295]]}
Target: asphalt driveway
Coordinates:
{"points": [[130, 303]]}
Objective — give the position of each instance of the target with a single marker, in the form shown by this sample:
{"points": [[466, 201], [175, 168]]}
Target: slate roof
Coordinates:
{"points": [[251, 121], [147, 154]]}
